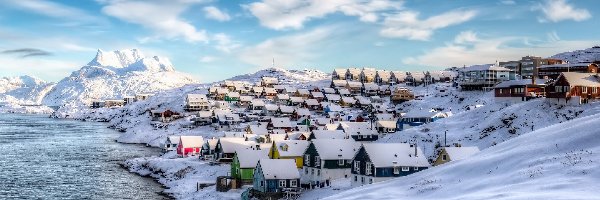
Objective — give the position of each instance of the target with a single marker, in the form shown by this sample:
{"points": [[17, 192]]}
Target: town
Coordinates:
{"points": [[281, 139]]}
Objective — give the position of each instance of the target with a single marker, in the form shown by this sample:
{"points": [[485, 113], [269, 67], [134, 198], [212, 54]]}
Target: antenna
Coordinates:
{"points": [[273, 64]]}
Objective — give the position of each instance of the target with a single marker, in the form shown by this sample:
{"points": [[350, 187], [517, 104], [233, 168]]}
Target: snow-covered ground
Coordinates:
{"points": [[556, 162]]}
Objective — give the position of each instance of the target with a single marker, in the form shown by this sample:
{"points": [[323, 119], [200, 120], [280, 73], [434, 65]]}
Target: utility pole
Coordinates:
{"points": [[445, 144]]}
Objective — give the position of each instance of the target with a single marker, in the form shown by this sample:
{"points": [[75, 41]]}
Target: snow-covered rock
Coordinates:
{"points": [[112, 75]]}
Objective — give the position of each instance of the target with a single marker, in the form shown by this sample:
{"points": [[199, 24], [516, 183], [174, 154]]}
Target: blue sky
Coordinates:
{"points": [[213, 40]]}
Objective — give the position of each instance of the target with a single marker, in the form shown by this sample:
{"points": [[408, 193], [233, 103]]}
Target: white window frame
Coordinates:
{"points": [[405, 169], [341, 162], [357, 166], [293, 183], [307, 159], [281, 183], [584, 89], [416, 168], [317, 161], [306, 170], [396, 170], [368, 168]]}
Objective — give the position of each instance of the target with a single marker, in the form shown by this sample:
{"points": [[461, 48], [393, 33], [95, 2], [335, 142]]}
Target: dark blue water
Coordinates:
{"points": [[43, 158]]}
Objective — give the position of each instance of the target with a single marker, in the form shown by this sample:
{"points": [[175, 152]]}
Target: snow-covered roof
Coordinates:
{"points": [[395, 154], [582, 79], [259, 129], [334, 108], [291, 148], [270, 91], [354, 84], [350, 100], [233, 134], [363, 100], [335, 149], [204, 114], [459, 153], [286, 109], [249, 157], [258, 89], [296, 99], [329, 134], [233, 144], [283, 96], [271, 107], [343, 91], [505, 84], [384, 116], [329, 90], [333, 97], [281, 122], [318, 94], [303, 92], [196, 98], [191, 141], [277, 136], [303, 112], [173, 139], [246, 98], [573, 65], [370, 86], [233, 94], [258, 102], [311, 102], [290, 89], [339, 83], [386, 124], [279, 169]]}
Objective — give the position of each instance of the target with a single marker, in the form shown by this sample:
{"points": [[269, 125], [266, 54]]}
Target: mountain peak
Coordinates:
{"points": [[130, 60]]}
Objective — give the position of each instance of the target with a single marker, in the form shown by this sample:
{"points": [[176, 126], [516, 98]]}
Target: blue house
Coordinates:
{"points": [[376, 162], [359, 131], [273, 177], [418, 118]]}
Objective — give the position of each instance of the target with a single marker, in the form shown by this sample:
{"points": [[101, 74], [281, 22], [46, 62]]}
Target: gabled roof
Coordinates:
{"points": [[335, 149], [204, 114], [212, 143], [173, 139], [271, 107], [258, 102], [279, 168], [196, 98], [343, 91], [317, 94], [371, 86], [339, 83], [258, 89], [246, 98], [349, 100], [395, 154], [354, 84], [286, 109], [233, 94], [277, 137], [283, 96], [384, 116], [259, 129], [459, 153], [386, 124], [581, 79], [303, 112], [329, 90], [191, 141], [296, 99], [233, 144], [270, 91], [291, 148], [311, 102], [333, 97], [248, 158], [303, 91]]}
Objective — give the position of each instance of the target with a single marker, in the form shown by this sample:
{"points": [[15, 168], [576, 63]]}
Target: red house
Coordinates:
{"points": [[189, 145]]}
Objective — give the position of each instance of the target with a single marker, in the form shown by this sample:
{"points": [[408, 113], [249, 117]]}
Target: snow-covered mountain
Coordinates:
{"points": [[285, 76], [556, 162], [23, 89], [116, 74], [580, 56]]}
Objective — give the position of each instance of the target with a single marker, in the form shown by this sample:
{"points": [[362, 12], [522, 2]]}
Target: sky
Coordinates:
{"points": [[213, 40]]}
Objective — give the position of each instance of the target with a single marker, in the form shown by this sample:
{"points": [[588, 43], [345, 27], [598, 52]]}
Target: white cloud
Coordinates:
{"points": [[292, 14], [560, 10], [55, 10], [287, 50], [406, 24], [508, 2], [163, 17], [207, 59], [477, 50], [212, 12], [225, 43], [48, 69]]}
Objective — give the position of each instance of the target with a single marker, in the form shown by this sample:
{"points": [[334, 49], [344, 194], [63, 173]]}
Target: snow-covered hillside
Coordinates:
{"points": [[556, 162], [286, 77], [114, 75], [579, 56], [23, 90]]}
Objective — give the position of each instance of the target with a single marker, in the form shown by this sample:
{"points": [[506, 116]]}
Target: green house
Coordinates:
{"points": [[244, 162]]}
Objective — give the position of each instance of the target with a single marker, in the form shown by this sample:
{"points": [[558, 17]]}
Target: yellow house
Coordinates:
{"points": [[448, 154], [289, 149]]}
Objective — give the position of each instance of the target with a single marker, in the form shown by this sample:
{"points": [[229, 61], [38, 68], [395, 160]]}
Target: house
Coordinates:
{"points": [[414, 78], [332, 108], [331, 90], [338, 74], [128, 99], [574, 87], [319, 96], [359, 131], [189, 145], [269, 81], [111, 103], [258, 91], [244, 162], [419, 117], [227, 146], [354, 87], [142, 97], [221, 93], [483, 77], [207, 152], [397, 77], [282, 123], [304, 93], [312, 104], [270, 109], [353, 74], [282, 99], [270, 93], [385, 90], [553, 71], [257, 129], [256, 105], [164, 116], [362, 102], [348, 101], [273, 177], [376, 162], [382, 77], [295, 101], [232, 96], [401, 94], [289, 149], [301, 113], [196, 102], [245, 101], [519, 90], [338, 84], [344, 92], [285, 111], [171, 143], [332, 98], [228, 121], [326, 160], [202, 118], [327, 134], [370, 89], [98, 104], [367, 75], [386, 126], [447, 154]]}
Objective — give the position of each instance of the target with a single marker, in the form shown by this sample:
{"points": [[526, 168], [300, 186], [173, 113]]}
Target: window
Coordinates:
{"points": [[416, 168], [566, 89], [281, 183], [444, 157], [368, 169], [305, 170], [312, 171], [583, 89], [262, 183], [396, 170], [362, 179], [370, 181], [355, 178], [405, 169], [357, 166], [317, 161], [594, 90], [340, 162], [558, 88], [293, 183], [318, 172], [307, 160]]}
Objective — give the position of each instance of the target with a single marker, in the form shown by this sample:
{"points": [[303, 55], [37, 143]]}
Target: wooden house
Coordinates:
{"points": [[359, 131], [519, 90], [332, 98], [285, 111], [386, 126], [244, 162], [270, 93], [319, 96], [348, 102], [196, 102], [227, 146], [273, 177], [338, 83], [289, 149], [128, 99], [553, 71], [189, 145], [376, 162], [207, 152], [282, 99], [419, 117], [295, 101], [164, 116], [245, 101], [327, 134], [142, 96], [304, 93], [353, 74], [397, 77], [401, 94], [171, 143], [202, 118], [370, 89], [269, 81], [257, 91], [326, 160], [354, 87], [270, 109], [368, 75], [382, 77], [574, 87], [312, 104], [256, 105], [339, 74], [447, 154], [282, 123]]}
